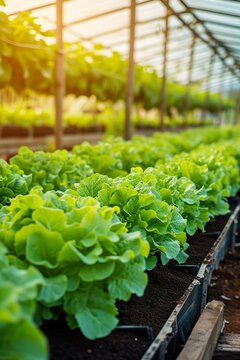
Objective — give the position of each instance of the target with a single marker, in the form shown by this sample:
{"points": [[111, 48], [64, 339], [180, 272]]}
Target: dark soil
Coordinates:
{"points": [[201, 243], [166, 286], [225, 286], [40, 131], [71, 129]]}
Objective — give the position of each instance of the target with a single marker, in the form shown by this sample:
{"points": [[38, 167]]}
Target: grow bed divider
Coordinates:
{"points": [[183, 318]]}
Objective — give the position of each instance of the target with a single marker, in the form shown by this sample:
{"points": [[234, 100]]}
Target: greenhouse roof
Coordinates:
{"points": [[214, 25]]}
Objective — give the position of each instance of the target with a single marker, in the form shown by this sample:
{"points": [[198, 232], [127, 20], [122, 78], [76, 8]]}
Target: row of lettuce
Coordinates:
{"points": [[105, 117], [80, 229]]}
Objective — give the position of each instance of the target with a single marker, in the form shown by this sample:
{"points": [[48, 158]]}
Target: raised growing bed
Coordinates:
{"points": [[172, 303], [201, 263], [166, 286], [14, 131]]}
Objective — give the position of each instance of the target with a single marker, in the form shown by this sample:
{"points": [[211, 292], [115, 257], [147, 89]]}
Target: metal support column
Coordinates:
{"points": [[189, 81], [130, 73], [59, 76], [164, 71]]}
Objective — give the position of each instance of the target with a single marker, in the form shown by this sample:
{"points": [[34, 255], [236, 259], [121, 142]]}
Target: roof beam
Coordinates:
{"points": [[210, 35], [216, 12], [159, 55], [237, 1], [213, 22], [143, 36], [39, 7], [121, 28], [214, 47], [106, 13]]}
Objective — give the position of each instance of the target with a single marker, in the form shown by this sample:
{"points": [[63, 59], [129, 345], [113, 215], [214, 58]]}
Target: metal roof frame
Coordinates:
{"points": [[214, 34], [230, 50], [211, 37]]}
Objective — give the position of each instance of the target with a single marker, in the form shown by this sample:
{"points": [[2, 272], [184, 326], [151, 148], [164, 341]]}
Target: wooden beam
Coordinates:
{"points": [[237, 116], [209, 78], [130, 73], [204, 337], [220, 91], [189, 81], [59, 76], [164, 70], [228, 347]]}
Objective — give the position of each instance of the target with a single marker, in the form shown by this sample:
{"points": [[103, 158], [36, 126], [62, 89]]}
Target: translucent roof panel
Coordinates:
{"points": [[107, 22]]}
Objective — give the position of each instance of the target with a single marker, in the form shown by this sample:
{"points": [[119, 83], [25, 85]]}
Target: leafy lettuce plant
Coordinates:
{"points": [[210, 168], [52, 171], [116, 157], [142, 209], [12, 182], [84, 253], [223, 162], [19, 336], [180, 192]]}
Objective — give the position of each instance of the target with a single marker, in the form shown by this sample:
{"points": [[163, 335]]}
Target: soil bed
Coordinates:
{"points": [[166, 286], [201, 243]]}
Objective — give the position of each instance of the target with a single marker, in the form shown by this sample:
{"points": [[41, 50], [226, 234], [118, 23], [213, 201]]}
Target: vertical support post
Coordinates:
{"points": [[209, 78], [59, 75], [220, 91], [189, 81], [130, 73], [237, 116], [164, 70]]}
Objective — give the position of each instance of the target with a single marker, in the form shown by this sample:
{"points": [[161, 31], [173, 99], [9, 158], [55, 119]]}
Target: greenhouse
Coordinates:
{"points": [[119, 180]]}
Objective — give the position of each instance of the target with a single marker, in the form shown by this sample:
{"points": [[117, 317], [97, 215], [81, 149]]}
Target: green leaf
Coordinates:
{"points": [[168, 246], [53, 289], [132, 207], [178, 223], [151, 262], [70, 254], [94, 312], [127, 280], [97, 272], [22, 236], [25, 280], [181, 257], [22, 341], [122, 195], [73, 283], [52, 219], [191, 226], [43, 248], [91, 185]]}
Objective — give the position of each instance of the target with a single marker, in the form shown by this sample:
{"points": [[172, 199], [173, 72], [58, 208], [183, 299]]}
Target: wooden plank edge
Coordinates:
{"points": [[203, 339]]}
